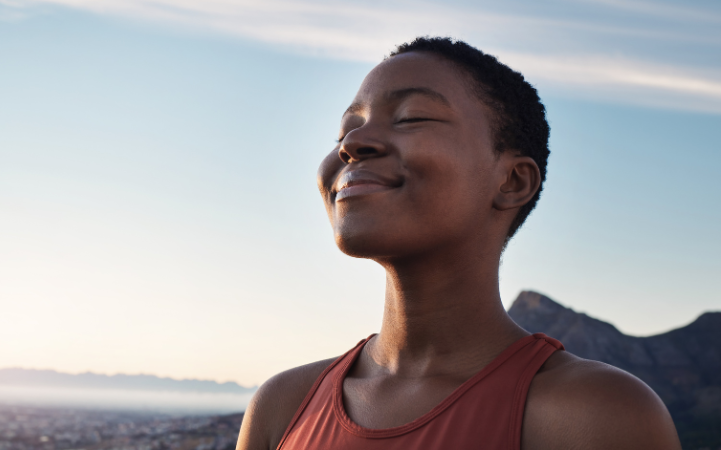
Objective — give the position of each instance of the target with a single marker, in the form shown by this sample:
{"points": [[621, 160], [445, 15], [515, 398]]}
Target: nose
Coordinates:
{"points": [[359, 145]]}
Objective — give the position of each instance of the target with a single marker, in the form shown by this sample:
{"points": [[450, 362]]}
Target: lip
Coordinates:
{"points": [[362, 182]]}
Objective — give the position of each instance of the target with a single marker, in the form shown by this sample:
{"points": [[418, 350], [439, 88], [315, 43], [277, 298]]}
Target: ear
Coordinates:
{"points": [[520, 182]]}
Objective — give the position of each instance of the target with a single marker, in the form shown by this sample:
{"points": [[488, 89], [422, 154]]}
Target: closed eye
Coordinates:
{"points": [[413, 120]]}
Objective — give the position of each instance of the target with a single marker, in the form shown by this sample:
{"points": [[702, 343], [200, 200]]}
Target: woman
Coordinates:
{"points": [[441, 157]]}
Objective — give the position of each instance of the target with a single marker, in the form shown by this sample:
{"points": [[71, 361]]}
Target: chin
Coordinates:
{"points": [[369, 245], [359, 245], [377, 243]]}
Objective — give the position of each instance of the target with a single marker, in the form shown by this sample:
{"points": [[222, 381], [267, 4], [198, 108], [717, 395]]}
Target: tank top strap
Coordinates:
{"points": [[541, 349], [349, 356]]}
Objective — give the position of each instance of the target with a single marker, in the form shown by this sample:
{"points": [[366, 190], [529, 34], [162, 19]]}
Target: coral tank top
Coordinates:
{"points": [[485, 412]]}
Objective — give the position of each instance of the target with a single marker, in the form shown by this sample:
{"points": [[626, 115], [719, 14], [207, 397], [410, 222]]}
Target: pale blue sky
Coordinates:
{"points": [[158, 208]]}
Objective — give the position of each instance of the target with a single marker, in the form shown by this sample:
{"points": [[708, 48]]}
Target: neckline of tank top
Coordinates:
{"points": [[358, 430]]}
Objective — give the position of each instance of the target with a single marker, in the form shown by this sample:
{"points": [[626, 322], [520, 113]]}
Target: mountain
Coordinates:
{"points": [[683, 366], [51, 378]]}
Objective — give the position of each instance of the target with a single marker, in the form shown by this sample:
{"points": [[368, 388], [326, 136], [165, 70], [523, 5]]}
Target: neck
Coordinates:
{"points": [[435, 307]]}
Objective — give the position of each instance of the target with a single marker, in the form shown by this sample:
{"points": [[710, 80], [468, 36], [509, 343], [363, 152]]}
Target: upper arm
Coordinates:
{"points": [[589, 405], [274, 404]]}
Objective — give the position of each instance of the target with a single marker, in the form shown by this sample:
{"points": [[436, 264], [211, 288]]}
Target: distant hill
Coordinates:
{"points": [[51, 378], [683, 366]]}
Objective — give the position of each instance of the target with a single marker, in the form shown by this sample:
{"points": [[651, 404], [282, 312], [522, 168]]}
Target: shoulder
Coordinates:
{"points": [[576, 403], [274, 404]]}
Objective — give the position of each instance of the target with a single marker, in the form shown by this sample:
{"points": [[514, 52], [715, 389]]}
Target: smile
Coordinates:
{"points": [[362, 182]]}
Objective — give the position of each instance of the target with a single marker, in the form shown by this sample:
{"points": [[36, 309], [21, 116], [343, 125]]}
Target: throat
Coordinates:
{"points": [[392, 401]]}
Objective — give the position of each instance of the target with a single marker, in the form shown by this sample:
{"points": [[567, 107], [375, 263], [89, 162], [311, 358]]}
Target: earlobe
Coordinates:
{"points": [[521, 182]]}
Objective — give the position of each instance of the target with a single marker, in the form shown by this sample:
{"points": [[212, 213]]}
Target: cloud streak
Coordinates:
{"points": [[658, 9], [366, 32], [641, 83]]}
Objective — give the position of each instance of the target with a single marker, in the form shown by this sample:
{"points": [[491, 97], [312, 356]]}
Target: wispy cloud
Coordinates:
{"points": [[659, 9], [366, 32], [623, 80]]}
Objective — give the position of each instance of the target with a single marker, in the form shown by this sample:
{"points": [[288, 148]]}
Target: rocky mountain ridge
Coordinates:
{"points": [[51, 378], [683, 365]]}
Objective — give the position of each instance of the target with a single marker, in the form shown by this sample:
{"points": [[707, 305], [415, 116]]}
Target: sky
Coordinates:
{"points": [[158, 206]]}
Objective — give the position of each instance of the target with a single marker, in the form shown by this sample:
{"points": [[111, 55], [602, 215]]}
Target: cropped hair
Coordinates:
{"points": [[520, 117]]}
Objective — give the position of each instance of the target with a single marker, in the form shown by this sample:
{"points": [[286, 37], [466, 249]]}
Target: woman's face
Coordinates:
{"points": [[414, 169]]}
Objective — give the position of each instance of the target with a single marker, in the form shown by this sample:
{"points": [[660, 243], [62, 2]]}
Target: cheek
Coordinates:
{"points": [[449, 184], [327, 173]]}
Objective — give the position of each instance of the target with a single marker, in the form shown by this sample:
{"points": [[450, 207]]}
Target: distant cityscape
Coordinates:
{"points": [[28, 428], [48, 410]]}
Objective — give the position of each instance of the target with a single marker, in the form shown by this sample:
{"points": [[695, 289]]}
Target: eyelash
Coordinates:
{"points": [[413, 119], [409, 120]]}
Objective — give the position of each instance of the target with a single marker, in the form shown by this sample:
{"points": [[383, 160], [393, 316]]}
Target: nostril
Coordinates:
{"points": [[350, 154], [344, 156]]}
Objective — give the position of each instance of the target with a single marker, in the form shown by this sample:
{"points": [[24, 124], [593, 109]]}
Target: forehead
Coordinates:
{"points": [[417, 71]]}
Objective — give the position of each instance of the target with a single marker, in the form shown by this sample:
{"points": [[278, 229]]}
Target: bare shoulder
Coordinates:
{"points": [[274, 405], [575, 403]]}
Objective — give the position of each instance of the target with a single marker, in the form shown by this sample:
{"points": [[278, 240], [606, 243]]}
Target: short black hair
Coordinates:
{"points": [[520, 122]]}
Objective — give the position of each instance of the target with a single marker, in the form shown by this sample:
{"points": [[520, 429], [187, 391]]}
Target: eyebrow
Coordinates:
{"points": [[402, 94]]}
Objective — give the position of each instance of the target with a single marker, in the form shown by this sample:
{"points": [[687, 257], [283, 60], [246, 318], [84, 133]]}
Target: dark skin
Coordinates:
{"points": [[415, 185]]}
